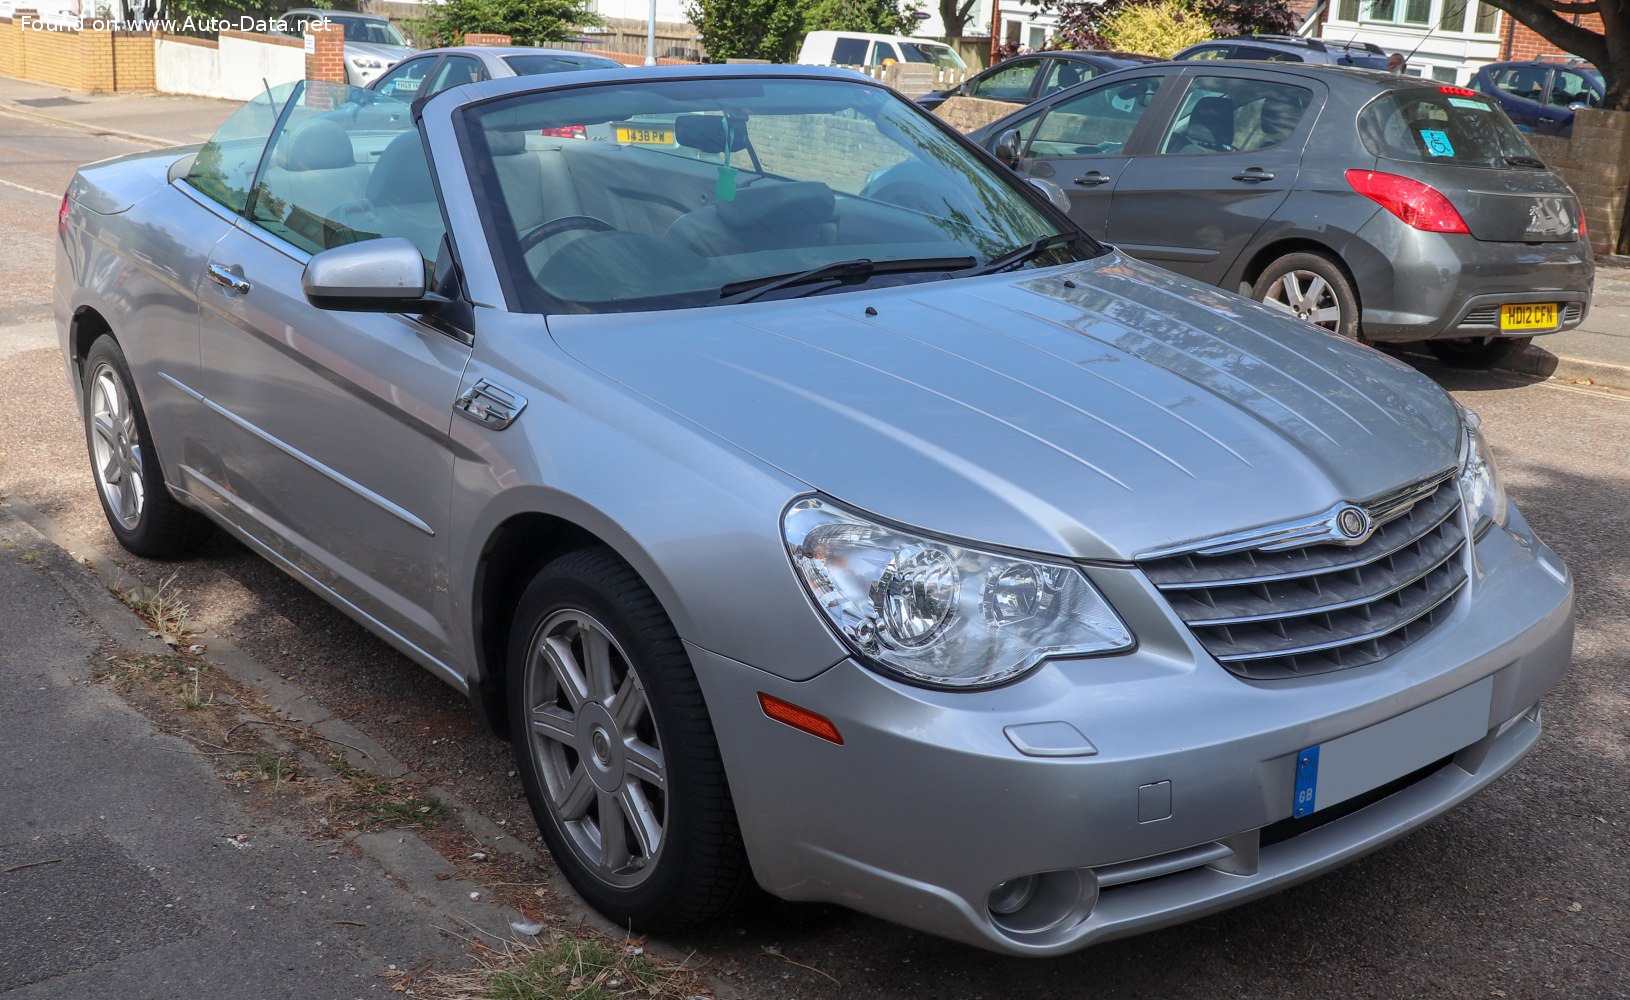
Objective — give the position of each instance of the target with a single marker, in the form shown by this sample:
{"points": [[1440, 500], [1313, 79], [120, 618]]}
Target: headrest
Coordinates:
{"points": [[506, 143], [706, 133], [402, 175], [778, 204], [319, 144]]}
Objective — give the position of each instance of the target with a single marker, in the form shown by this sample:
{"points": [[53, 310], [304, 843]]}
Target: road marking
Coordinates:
{"points": [[25, 187]]}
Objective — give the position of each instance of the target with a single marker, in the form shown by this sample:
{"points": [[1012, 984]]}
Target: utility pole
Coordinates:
{"points": [[651, 36], [995, 29]]}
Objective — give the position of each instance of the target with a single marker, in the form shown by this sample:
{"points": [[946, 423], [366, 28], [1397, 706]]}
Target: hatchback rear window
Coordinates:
{"points": [[1443, 126]]}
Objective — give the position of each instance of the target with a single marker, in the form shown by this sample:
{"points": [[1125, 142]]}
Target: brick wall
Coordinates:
{"points": [[1596, 164], [95, 61], [628, 59], [1522, 42], [325, 52], [968, 113], [478, 38], [839, 151]]}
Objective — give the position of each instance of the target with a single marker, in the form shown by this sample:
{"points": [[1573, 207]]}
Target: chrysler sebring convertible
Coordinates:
{"points": [[809, 501]]}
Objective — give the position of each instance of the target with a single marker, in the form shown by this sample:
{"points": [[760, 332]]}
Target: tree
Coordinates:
{"points": [[954, 14], [528, 22], [1608, 49], [886, 17], [1081, 22], [1157, 29], [748, 29]]}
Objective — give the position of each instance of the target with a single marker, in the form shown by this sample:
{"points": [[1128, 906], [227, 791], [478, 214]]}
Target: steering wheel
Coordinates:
{"points": [[566, 224]]}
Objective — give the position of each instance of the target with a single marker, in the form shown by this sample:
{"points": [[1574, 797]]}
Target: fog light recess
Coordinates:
{"points": [[1035, 904]]}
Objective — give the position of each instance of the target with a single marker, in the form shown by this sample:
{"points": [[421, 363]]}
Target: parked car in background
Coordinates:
{"points": [[856, 524], [372, 43], [1290, 48], [1026, 78], [430, 72], [858, 48], [1378, 206], [1542, 96]]}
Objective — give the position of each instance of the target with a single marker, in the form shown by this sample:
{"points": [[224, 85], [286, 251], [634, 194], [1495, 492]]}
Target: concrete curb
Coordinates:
{"points": [[1537, 361], [93, 579], [153, 141]]}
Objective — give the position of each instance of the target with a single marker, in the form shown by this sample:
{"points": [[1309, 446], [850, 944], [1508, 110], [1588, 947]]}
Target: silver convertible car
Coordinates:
{"points": [[809, 501]]}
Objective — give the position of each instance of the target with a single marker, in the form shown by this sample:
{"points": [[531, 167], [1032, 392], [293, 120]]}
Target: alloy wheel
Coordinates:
{"points": [[595, 745], [1307, 296], [116, 447]]}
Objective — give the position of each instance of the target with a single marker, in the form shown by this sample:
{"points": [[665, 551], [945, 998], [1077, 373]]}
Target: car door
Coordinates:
{"points": [[1521, 91], [1082, 142], [328, 440], [1568, 89], [1223, 163]]}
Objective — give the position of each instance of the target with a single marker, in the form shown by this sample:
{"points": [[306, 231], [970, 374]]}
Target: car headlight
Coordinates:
{"points": [[942, 613], [1480, 487], [365, 62]]}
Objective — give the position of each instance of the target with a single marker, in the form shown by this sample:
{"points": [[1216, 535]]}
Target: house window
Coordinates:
{"points": [[1348, 10], [1443, 74], [1488, 20], [1454, 15], [1401, 11]]}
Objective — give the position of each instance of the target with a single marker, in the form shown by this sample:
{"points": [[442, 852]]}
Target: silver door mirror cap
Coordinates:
{"points": [[383, 275], [1007, 146], [1054, 193]]}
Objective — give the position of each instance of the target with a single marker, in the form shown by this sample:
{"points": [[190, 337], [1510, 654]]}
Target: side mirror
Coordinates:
{"points": [[383, 275], [1007, 147], [1054, 193]]}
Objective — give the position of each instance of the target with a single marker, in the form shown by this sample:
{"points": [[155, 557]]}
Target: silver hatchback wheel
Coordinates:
{"points": [[1306, 295], [116, 447], [596, 747]]}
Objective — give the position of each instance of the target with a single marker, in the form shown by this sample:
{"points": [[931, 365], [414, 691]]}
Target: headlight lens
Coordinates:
{"points": [[1480, 487], [366, 62], [940, 613]]}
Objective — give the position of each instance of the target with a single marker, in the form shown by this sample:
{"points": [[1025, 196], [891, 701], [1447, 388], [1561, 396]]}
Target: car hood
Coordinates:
{"points": [[389, 53], [1099, 410]]}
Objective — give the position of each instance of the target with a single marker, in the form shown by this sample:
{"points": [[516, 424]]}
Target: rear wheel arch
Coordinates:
{"points": [[84, 329], [1265, 256]]}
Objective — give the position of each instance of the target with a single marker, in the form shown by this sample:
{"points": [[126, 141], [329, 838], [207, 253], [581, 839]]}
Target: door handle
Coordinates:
{"points": [[1093, 178], [226, 279], [1254, 175]]}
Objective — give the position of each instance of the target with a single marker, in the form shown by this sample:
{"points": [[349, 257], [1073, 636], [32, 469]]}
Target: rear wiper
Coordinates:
{"points": [[841, 271], [1015, 257], [1523, 161]]}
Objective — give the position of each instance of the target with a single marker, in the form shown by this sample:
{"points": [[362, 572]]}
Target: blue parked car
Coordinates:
{"points": [[1541, 96]]}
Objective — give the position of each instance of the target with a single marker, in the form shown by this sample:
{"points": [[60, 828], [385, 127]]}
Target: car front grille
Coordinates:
{"points": [[1272, 611]]}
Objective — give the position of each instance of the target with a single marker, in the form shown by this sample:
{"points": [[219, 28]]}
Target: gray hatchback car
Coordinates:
{"points": [[852, 524], [1378, 206]]}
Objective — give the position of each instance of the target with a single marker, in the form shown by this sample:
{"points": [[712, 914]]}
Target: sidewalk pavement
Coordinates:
{"points": [[1598, 351], [126, 867]]}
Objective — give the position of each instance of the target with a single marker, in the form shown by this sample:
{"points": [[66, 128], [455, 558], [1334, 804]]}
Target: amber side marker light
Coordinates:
{"points": [[801, 719]]}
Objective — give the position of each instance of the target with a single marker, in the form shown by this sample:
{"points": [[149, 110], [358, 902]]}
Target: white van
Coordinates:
{"points": [[856, 48]]}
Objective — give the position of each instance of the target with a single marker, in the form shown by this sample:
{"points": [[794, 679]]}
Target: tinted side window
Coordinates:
{"points": [[849, 52], [225, 168], [1526, 82], [1227, 115], [1097, 123], [405, 82], [1568, 87], [334, 177], [455, 72], [1064, 74], [1008, 83], [1209, 52], [883, 52]]}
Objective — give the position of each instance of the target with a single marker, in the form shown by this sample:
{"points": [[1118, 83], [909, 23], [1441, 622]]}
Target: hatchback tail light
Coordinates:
{"points": [[62, 216], [1418, 205], [1584, 233], [565, 132]]}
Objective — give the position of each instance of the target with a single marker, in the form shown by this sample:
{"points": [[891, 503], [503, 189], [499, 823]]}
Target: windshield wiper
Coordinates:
{"points": [[1018, 255], [1523, 161], [841, 271]]}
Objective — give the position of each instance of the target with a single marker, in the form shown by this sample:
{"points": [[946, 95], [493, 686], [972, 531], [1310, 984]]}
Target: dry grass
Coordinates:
{"points": [[161, 608], [585, 967]]}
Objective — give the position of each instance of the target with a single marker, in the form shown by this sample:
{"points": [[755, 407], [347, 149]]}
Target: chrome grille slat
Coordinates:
{"points": [[1269, 613]]}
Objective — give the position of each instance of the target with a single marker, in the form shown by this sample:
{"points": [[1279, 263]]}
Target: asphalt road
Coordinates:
{"points": [[1522, 892]]}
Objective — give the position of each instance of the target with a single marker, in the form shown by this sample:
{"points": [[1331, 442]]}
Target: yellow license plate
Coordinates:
{"points": [[1528, 316], [646, 136]]}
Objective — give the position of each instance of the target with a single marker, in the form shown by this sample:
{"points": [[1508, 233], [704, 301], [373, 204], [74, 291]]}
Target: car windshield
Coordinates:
{"points": [[1449, 125], [682, 193], [537, 65], [939, 55], [369, 30]]}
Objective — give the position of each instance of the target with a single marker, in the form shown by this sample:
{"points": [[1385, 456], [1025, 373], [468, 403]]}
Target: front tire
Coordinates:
{"points": [[616, 750], [1312, 287], [145, 519], [1478, 353]]}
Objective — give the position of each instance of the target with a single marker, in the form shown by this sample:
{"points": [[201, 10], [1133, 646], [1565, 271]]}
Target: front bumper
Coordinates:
{"points": [[927, 805], [1414, 285]]}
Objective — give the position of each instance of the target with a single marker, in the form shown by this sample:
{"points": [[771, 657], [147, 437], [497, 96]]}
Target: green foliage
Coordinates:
{"points": [[885, 17], [1158, 29], [527, 22], [748, 29]]}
